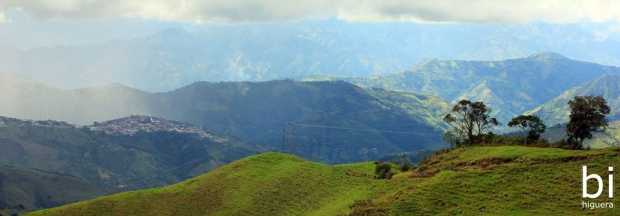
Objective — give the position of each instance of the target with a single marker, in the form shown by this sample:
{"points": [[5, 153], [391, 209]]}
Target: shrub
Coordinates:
{"points": [[383, 171]]}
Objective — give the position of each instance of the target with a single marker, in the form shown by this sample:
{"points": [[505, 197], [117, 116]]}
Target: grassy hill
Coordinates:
{"points": [[267, 184], [505, 180]]}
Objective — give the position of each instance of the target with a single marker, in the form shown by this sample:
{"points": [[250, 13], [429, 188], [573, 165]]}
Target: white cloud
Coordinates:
{"points": [[555, 11]]}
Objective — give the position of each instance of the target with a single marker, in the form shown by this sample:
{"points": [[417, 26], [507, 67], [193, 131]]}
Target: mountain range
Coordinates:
{"points": [[511, 87], [306, 118], [182, 55]]}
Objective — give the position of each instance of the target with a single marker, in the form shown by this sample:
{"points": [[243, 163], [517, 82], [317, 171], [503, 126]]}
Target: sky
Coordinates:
{"points": [[556, 11], [35, 23]]}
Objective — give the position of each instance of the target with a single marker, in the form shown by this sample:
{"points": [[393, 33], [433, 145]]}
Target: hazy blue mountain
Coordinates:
{"points": [[556, 111], [258, 52], [26, 99], [329, 121], [510, 86]]}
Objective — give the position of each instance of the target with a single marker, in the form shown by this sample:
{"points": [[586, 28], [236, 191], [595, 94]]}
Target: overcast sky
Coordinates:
{"points": [[200, 11], [34, 23]]}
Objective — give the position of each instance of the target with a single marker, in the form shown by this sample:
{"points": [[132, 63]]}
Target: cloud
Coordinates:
{"points": [[502, 11]]}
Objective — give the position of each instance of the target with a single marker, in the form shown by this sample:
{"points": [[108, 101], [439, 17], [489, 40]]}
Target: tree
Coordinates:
{"points": [[587, 114], [469, 121], [532, 124]]}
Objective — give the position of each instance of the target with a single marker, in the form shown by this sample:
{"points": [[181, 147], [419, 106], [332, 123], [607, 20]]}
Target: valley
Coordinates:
{"points": [[117, 138]]}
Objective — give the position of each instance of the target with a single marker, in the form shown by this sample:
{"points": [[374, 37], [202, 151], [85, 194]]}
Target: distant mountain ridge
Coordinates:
{"points": [[510, 87], [556, 111], [185, 54]]}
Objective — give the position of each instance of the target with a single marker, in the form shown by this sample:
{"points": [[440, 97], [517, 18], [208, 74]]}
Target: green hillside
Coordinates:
{"points": [[506, 180], [266, 184]]}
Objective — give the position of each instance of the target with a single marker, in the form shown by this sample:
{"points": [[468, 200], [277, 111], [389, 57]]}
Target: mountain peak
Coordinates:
{"points": [[547, 56]]}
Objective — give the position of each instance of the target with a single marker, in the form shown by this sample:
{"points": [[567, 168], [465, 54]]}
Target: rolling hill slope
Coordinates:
{"points": [[504, 180], [267, 184]]}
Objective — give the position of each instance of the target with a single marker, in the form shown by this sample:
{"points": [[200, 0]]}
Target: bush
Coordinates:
{"points": [[383, 171]]}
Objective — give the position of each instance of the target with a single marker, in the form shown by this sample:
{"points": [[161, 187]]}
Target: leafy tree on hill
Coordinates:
{"points": [[587, 114], [470, 121], [534, 126]]}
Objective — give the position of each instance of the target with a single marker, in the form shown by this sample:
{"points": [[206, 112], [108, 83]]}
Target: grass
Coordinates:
{"points": [[534, 182], [502, 180], [266, 184]]}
